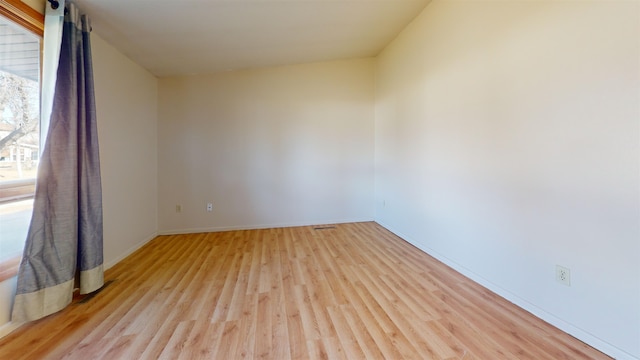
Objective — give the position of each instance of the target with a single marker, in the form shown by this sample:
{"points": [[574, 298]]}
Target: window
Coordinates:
{"points": [[20, 54]]}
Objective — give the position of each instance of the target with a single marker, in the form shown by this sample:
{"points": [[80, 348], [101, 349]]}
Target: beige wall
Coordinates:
{"points": [[281, 146], [127, 103], [507, 141]]}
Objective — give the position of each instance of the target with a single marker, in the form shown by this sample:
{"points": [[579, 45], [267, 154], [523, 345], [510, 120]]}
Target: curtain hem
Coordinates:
{"points": [[91, 280], [41, 303]]}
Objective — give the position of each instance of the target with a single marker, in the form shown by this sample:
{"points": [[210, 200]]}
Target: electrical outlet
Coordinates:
{"points": [[563, 275], [209, 207], [178, 208]]}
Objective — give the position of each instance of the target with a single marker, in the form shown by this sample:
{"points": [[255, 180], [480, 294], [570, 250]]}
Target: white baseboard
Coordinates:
{"points": [[256, 227], [130, 251], [570, 329]]}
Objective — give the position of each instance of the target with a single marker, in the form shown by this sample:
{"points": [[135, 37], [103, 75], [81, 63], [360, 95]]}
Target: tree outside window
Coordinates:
{"points": [[19, 133]]}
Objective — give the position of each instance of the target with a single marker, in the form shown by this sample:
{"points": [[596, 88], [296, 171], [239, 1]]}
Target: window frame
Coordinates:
{"points": [[23, 15], [33, 21]]}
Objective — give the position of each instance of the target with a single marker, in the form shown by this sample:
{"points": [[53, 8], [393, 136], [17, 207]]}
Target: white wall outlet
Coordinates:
{"points": [[209, 207], [563, 275], [178, 208]]}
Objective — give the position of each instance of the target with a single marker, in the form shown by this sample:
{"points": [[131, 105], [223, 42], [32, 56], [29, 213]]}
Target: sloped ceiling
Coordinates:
{"points": [[205, 36]]}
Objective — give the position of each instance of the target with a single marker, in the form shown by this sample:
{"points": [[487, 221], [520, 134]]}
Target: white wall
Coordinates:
{"points": [[507, 141], [280, 146], [127, 103]]}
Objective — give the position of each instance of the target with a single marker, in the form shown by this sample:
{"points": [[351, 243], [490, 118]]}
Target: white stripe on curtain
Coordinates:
{"points": [[53, 22]]}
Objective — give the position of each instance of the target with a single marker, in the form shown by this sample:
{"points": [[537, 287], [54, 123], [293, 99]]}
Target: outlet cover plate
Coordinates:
{"points": [[563, 275]]}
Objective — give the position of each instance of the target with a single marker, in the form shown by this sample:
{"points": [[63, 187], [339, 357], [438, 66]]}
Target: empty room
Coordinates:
{"points": [[313, 179]]}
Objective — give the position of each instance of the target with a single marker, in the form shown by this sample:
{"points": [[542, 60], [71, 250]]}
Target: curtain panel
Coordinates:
{"points": [[63, 249]]}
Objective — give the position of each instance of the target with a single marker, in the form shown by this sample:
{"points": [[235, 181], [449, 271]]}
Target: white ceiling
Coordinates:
{"points": [[177, 37]]}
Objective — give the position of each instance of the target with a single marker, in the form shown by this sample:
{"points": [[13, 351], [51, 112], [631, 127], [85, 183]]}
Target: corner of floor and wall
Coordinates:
{"points": [[507, 143], [503, 138]]}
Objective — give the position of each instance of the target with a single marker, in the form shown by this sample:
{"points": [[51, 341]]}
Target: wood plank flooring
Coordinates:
{"points": [[349, 291]]}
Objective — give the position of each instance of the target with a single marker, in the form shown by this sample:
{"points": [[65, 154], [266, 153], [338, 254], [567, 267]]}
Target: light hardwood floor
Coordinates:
{"points": [[349, 291]]}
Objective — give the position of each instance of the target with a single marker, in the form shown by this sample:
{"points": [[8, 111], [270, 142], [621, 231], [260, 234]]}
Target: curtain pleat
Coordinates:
{"points": [[64, 249]]}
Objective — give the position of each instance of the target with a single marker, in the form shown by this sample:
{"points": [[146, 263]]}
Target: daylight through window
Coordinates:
{"points": [[19, 133]]}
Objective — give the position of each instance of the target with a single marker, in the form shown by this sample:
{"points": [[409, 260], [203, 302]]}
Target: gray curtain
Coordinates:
{"points": [[63, 250]]}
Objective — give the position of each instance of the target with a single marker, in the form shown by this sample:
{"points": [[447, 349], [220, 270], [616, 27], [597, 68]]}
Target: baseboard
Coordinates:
{"points": [[570, 329], [8, 328], [130, 251], [257, 227]]}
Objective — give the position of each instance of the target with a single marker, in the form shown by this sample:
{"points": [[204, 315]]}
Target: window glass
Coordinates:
{"points": [[19, 133]]}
